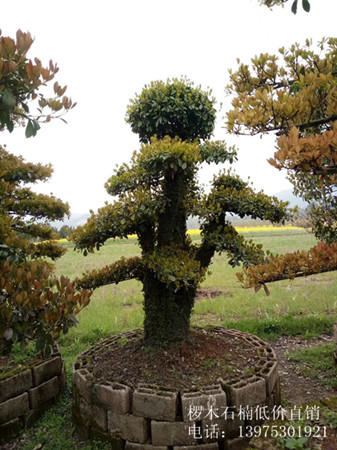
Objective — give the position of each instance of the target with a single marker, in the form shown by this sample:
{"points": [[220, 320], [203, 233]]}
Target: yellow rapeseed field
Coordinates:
{"points": [[263, 228], [256, 229]]}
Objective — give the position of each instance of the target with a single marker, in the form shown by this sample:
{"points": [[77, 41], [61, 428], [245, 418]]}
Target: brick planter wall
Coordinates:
{"points": [[148, 418], [24, 396]]}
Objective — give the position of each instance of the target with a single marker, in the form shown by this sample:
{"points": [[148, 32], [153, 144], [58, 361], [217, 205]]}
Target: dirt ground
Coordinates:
{"points": [[298, 390], [295, 388]]}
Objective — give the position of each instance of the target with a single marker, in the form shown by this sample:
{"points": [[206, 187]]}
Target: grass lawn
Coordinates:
{"points": [[303, 306]]}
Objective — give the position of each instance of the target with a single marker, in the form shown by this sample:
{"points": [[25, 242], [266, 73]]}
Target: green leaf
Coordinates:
{"points": [[294, 7], [306, 5], [8, 98], [36, 126], [30, 130], [25, 107], [10, 125]]}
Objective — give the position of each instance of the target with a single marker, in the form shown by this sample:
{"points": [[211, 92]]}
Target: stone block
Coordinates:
{"points": [[9, 430], [213, 398], [83, 410], [47, 370], [269, 353], [63, 378], [115, 397], [43, 392], [172, 433], [237, 444], [81, 383], [126, 426], [15, 385], [134, 446], [193, 405], [158, 405], [277, 393], [99, 417], [13, 408], [269, 372], [221, 428], [246, 392]]}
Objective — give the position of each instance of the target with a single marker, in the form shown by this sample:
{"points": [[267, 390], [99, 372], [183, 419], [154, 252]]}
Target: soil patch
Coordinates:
{"points": [[296, 388], [9, 367], [198, 362]]}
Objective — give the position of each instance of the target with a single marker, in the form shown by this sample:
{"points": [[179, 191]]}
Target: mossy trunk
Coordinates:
{"points": [[172, 223], [167, 313]]}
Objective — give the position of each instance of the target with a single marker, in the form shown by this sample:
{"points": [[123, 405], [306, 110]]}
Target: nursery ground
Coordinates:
{"points": [[298, 315]]}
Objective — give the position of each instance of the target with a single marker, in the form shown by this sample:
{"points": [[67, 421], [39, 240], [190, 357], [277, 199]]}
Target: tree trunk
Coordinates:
{"points": [[167, 313]]}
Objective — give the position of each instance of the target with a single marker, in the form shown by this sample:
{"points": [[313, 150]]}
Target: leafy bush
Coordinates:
{"points": [[35, 306]]}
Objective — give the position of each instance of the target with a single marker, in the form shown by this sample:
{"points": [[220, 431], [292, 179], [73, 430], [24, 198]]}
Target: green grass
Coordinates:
{"points": [[54, 431], [317, 362], [303, 307]]}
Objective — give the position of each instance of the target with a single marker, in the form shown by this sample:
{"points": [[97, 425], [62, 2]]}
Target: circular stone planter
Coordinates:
{"points": [[146, 417], [26, 394]]}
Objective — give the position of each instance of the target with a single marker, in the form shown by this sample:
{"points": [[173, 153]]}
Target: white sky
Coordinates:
{"points": [[108, 50]]}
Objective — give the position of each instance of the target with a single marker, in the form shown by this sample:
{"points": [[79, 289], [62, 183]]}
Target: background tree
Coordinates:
{"points": [[34, 304], [65, 231], [295, 97], [25, 214], [271, 3], [156, 193], [21, 83]]}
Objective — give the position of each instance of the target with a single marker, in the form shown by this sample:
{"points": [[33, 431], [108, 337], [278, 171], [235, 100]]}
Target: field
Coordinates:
{"points": [[304, 307]]}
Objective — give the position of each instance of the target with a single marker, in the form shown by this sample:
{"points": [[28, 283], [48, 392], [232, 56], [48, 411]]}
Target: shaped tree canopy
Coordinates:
{"points": [[156, 193]]}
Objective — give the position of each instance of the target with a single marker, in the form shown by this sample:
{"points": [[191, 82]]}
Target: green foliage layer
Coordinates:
{"points": [[174, 108]]}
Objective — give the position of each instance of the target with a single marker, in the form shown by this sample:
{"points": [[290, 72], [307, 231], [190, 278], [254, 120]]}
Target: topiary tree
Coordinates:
{"points": [[156, 193], [34, 304], [294, 96]]}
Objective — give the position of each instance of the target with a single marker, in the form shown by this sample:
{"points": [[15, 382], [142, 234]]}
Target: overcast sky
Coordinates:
{"points": [[108, 50]]}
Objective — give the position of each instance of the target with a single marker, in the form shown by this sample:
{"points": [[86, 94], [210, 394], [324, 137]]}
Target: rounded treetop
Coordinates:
{"points": [[174, 108]]}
